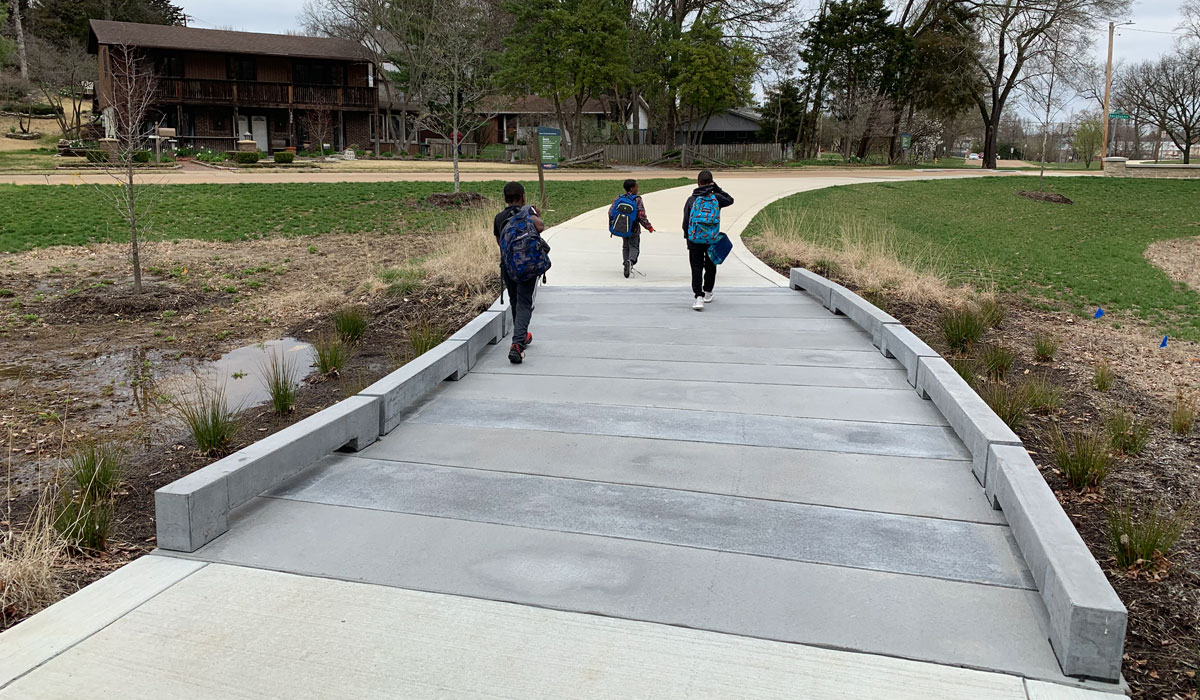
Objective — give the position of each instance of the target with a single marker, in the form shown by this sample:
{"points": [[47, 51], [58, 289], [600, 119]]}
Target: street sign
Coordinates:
{"points": [[905, 141], [549, 146], [1118, 115]]}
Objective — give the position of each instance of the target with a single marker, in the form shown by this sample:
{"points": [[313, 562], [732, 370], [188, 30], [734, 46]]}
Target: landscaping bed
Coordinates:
{"points": [[936, 255]]}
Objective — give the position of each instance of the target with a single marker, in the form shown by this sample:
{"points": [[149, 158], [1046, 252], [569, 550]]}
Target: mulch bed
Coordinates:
{"points": [[1052, 197], [455, 200]]}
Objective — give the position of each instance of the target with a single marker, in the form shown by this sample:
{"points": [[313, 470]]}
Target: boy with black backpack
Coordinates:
{"points": [[702, 229], [524, 258], [626, 218]]}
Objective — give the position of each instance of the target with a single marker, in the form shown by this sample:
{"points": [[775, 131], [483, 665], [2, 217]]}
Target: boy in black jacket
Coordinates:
{"points": [[520, 294], [704, 270]]}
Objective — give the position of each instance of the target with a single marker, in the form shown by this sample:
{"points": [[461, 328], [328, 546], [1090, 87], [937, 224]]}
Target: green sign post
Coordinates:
{"points": [[905, 141], [1119, 115], [549, 146]]}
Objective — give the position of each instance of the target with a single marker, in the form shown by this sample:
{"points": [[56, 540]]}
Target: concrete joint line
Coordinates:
{"points": [[1087, 620]]}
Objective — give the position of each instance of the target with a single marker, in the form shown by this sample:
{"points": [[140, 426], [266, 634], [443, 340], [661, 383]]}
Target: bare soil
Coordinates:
{"points": [[1162, 647], [84, 358], [1179, 258], [1051, 197]]}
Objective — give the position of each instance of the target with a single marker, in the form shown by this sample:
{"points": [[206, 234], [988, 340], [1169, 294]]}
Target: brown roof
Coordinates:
{"points": [[161, 36], [539, 105]]}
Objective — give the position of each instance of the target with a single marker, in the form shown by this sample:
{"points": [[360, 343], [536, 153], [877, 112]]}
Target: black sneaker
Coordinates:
{"points": [[627, 266], [516, 354]]}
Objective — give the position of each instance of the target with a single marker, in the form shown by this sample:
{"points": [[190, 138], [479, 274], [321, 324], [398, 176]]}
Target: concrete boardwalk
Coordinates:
{"points": [[750, 502]]}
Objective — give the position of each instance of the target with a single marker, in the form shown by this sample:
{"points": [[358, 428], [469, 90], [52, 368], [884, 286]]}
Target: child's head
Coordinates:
{"points": [[514, 193], [631, 186], [704, 178]]}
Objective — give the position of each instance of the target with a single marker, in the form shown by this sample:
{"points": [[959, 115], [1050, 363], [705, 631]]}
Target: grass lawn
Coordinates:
{"points": [[28, 159], [35, 216], [978, 231]]}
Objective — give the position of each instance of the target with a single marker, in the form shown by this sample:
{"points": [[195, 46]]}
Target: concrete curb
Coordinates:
{"points": [[193, 511], [1087, 620]]}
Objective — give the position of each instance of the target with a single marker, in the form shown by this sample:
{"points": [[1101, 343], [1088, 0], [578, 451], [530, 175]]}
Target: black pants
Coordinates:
{"points": [[520, 300], [631, 247], [704, 270]]}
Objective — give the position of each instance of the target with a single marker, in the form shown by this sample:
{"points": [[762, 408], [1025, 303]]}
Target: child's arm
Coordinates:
{"points": [[641, 215]]}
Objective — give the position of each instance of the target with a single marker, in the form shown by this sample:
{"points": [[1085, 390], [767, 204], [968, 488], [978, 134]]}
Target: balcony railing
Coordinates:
{"points": [[258, 93]]}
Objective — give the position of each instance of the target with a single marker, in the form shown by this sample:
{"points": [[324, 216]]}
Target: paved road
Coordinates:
{"points": [[748, 502]]}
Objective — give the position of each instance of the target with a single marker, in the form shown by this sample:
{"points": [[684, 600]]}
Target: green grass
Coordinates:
{"points": [[1074, 257], [35, 216], [1138, 534], [24, 161]]}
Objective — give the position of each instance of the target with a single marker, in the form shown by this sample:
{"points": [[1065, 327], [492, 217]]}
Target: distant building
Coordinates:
{"points": [[730, 126], [216, 87]]}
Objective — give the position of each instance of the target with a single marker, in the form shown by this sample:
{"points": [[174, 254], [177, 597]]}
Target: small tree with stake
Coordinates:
{"points": [[129, 96]]}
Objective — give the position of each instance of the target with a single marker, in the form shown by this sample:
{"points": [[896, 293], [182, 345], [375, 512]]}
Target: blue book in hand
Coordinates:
{"points": [[720, 250]]}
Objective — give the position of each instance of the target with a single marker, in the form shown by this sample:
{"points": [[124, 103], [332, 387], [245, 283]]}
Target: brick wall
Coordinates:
{"points": [[358, 129], [1120, 167]]}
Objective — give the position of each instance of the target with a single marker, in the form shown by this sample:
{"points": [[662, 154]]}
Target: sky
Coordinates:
{"points": [[1140, 41]]}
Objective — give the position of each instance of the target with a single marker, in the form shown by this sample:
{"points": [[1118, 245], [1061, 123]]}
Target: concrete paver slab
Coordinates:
{"points": [[842, 335], [928, 487], [948, 549], [778, 357], [231, 632]]}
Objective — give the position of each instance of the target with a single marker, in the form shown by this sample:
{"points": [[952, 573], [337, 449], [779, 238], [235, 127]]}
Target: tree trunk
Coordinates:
{"points": [[131, 197], [990, 129], [22, 61]]}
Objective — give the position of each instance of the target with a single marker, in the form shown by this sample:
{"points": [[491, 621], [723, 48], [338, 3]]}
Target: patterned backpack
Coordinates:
{"points": [[704, 227], [524, 254], [622, 215]]}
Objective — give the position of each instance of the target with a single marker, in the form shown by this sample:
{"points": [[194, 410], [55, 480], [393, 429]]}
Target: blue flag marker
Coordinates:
{"points": [[1099, 313], [1164, 342]]}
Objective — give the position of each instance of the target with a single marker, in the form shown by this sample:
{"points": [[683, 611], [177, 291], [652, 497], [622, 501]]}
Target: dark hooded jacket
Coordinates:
{"points": [[723, 200]]}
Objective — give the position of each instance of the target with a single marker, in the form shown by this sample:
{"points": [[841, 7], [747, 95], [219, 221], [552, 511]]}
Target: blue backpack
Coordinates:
{"points": [[704, 227], [622, 216], [524, 254]]}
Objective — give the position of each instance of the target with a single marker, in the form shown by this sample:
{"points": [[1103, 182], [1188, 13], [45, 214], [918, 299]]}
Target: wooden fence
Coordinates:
{"points": [[634, 154]]}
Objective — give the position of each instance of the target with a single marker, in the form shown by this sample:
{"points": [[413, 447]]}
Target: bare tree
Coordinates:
{"points": [[62, 76], [1016, 33], [1191, 19], [19, 31], [457, 79], [1168, 91], [1045, 89], [318, 126], [129, 96]]}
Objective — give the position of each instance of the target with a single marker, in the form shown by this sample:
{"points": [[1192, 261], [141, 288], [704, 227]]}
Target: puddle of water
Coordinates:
{"points": [[242, 371]]}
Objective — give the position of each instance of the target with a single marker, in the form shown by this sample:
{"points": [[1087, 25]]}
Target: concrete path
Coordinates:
{"points": [[748, 502]]}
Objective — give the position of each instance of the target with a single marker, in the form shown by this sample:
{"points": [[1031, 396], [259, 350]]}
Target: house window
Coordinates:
{"points": [[307, 73], [170, 66], [243, 68]]}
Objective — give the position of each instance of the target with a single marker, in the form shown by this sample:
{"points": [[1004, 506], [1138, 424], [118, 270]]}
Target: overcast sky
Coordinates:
{"points": [[1133, 43]]}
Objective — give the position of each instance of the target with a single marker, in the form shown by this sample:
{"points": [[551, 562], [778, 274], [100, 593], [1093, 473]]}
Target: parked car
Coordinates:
{"points": [[974, 156]]}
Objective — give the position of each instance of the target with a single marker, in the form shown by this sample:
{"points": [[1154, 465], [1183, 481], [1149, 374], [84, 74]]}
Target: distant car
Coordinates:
{"points": [[973, 156]]}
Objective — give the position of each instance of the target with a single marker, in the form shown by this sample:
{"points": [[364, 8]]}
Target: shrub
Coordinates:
{"points": [[1103, 376], [992, 312], [284, 157], [208, 156], [142, 156], [402, 281], [1083, 457], [997, 361], [1045, 347], [350, 324], [1042, 395], [424, 337], [247, 158], [1125, 433], [967, 368], [208, 416], [1138, 535], [1183, 416], [95, 470], [186, 152], [280, 377], [332, 355], [962, 328], [84, 524], [1009, 403]]}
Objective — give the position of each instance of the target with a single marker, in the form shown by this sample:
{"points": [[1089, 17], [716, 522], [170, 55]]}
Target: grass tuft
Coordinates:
{"points": [[1045, 347], [30, 558], [1010, 403], [280, 376], [1083, 457], [967, 368], [992, 312], [424, 337], [962, 327], [997, 361], [402, 281], [1103, 376], [350, 324], [207, 414], [1183, 415], [1139, 535], [332, 355], [1126, 434], [85, 512], [1044, 396]]}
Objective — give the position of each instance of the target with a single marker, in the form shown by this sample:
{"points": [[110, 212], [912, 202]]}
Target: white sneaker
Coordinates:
{"points": [[708, 297], [698, 304]]}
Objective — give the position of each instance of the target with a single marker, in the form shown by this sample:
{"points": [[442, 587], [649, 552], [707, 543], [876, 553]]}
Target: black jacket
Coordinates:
{"points": [[723, 200]]}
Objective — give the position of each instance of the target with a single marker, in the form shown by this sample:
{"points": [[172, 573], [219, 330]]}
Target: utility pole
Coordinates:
{"points": [[1112, 26]]}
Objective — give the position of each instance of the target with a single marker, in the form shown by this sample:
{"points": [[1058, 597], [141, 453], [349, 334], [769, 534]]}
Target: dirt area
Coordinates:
{"points": [[1179, 258], [86, 359], [1052, 197], [1162, 648]]}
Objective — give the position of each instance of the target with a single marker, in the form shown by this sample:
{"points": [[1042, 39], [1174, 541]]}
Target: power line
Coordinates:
{"points": [[1152, 31]]}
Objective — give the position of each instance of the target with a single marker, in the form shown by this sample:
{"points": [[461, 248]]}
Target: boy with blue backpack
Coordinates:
{"points": [[702, 229], [626, 218], [524, 258]]}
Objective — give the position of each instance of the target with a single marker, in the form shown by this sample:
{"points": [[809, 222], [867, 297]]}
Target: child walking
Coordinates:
{"points": [[702, 228], [626, 218], [524, 258]]}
